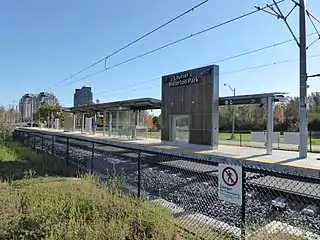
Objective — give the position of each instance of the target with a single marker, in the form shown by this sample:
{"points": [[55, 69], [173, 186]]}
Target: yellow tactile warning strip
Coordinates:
{"points": [[299, 165], [166, 147], [103, 138]]}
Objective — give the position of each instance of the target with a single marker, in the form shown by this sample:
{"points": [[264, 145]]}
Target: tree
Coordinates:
{"points": [[148, 120], [156, 121], [48, 113], [7, 123]]}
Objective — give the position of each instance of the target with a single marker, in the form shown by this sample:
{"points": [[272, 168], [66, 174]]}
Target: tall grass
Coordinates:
{"points": [[18, 161], [79, 208]]}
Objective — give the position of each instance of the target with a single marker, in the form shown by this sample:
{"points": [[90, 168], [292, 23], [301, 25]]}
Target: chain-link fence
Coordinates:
{"points": [[280, 141], [276, 205]]}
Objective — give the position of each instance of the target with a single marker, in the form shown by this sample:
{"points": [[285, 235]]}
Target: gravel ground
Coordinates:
{"points": [[194, 194]]}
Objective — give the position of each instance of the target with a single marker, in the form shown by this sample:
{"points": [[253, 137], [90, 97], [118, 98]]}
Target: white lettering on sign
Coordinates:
{"points": [[182, 76], [190, 80], [230, 183]]}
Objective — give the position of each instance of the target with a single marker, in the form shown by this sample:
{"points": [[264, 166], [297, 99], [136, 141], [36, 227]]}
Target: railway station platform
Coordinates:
{"points": [[279, 160]]}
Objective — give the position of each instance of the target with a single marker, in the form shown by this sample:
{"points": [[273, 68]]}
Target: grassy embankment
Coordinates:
{"points": [[64, 206]]}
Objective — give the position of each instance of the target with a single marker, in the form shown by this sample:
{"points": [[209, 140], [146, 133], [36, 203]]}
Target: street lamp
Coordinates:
{"points": [[233, 90]]}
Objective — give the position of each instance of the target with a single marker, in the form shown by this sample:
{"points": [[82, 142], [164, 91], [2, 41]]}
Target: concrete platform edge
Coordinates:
{"points": [[261, 164]]}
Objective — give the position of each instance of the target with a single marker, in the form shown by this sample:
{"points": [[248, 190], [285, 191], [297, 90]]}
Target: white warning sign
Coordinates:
{"points": [[230, 183]]}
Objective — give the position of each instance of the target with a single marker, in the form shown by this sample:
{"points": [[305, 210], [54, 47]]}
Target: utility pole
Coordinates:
{"points": [[303, 125], [302, 44], [233, 90]]}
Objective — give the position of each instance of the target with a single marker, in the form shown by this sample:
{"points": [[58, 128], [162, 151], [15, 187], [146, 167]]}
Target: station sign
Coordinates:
{"points": [[230, 101], [230, 185], [187, 78]]}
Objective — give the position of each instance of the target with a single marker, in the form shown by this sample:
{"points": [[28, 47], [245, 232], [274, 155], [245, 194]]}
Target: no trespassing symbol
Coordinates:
{"points": [[230, 176]]}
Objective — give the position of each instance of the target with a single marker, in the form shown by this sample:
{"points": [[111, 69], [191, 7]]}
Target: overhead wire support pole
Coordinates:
{"points": [[303, 122]]}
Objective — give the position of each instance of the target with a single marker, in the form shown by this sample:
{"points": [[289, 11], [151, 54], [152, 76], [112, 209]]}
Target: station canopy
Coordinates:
{"points": [[153, 103], [132, 104], [260, 98]]}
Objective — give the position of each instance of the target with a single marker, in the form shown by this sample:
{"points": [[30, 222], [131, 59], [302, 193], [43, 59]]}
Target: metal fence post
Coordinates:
{"points": [[42, 142], [28, 139], [13, 136], [92, 157], [139, 173], [67, 158], [34, 142], [243, 206], [310, 140], [52, 145]]}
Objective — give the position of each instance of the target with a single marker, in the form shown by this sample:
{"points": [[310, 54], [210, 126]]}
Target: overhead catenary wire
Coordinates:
{"points": [[267, 65], [223, 73], [221, 60], [131, 85], [177, 41], [190, 36], [133, 42]]}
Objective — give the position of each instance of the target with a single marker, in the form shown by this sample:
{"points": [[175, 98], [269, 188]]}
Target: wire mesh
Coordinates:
{"points": [[282, 206], [277, 205], [189, 189]]}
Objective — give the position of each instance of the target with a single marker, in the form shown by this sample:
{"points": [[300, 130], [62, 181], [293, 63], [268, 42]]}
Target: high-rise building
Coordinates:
{"points": [[45, 98], [29, 104], [82, 96]]}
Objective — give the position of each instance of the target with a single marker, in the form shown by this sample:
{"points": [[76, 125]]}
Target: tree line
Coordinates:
{"points": [[47, 113], [254, 117], [286, 115]]}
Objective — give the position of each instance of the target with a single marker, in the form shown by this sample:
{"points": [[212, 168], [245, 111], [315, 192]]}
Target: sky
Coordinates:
{"points": [[44, 42]]}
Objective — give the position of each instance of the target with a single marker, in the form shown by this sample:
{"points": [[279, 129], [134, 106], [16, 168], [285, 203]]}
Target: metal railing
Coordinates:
{"points": [[276, 205]]}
